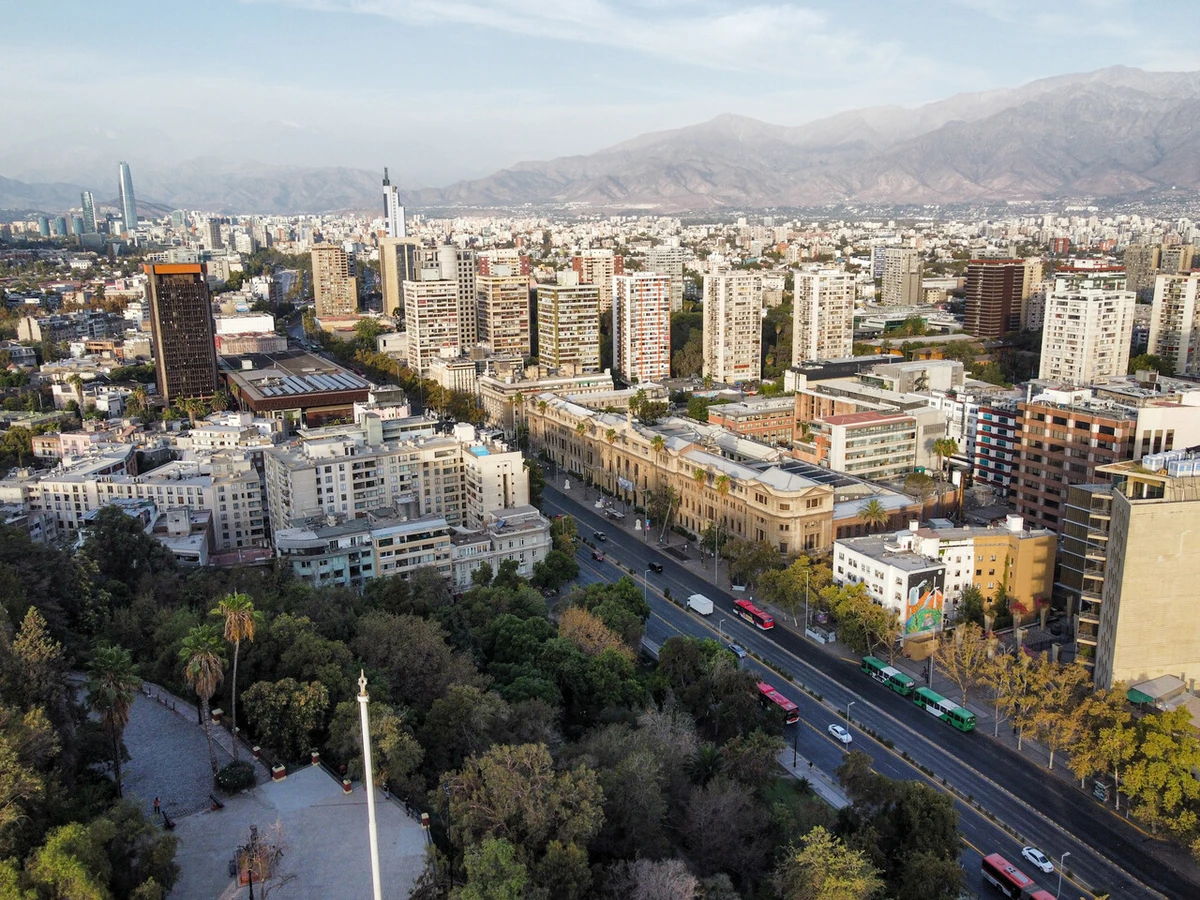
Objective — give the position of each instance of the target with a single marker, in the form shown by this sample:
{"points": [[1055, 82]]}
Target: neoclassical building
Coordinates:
{"points": [[752, 491]]}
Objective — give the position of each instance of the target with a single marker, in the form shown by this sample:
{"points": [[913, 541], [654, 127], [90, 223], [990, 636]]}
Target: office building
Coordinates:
{"points": [[598, 267], [210, 234], [641, 326], [1175, 322], [181, 324], [129, 219], [1140, 617], [823, 327], [902, 277], [733, 327], [88, 202], [1087, 329], [397, 262], [668, 261], [335, 285], [771, 420], [393, 212], [568, 318], [502, 314], [431, 310], [871, 445], [996, 290]]}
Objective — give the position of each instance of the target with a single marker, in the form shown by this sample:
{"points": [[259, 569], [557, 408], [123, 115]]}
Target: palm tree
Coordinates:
{"points": [[203, 669], [699, 476], [722, 484], [542, 406], [77, 383], [944, 448], [611, 436], [111, 683], [581, 429], [658, 444], [241, 618], [193, 406], [874, 514], [705, 764]]}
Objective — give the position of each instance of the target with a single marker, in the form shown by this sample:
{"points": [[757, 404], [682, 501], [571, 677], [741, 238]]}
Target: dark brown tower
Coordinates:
{"points": [[185, 353]]}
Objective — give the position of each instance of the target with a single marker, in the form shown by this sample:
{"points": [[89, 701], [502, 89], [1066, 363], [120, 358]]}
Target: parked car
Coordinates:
{"points": [[737, 650], [1037, 858], [597, 556], [656, 567], [838, 733], [600, 535]]}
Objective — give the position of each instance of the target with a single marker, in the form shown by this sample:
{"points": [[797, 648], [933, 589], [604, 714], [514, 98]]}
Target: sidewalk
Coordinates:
{"points": [[822, 785]]}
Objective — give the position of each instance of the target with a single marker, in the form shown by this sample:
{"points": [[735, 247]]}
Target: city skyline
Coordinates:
{"points": [[621, 69]]}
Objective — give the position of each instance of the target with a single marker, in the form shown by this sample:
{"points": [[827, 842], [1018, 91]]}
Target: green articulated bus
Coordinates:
{"points": [[889, 675], [946, 710]]}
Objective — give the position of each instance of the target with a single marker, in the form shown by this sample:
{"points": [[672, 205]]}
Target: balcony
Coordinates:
{"points": [[1096, 554], [1098, 536], [1089, 596], [1096, 573], [1089, 618], [1086, 636]]}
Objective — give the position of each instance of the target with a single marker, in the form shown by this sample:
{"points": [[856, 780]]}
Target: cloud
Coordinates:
{"points": [[779, 38]]}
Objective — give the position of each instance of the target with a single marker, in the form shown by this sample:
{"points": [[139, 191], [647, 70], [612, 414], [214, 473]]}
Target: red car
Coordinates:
{"points": [[597, 556]]}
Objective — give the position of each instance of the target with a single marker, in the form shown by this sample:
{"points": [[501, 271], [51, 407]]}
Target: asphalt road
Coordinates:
{"points": [[1106, 852]]}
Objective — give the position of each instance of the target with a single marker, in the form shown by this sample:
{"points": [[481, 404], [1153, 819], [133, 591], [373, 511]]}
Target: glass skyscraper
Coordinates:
{"points": [[128, 203], [89, 212]]}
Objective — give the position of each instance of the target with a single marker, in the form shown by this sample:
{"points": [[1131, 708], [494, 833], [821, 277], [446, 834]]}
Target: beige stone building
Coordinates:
{"points": [[747, 489]]}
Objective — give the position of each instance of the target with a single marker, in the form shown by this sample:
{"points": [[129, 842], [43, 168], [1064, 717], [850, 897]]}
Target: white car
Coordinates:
{"points": [[1037, 858], [838, 733]]}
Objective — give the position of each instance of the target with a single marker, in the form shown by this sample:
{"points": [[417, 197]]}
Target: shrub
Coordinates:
{"points": [[237, 776]]}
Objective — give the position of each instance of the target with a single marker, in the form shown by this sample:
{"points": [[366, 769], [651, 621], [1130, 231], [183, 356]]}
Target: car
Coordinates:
{"points": [[597, 556], [656, 567], [737, 650], [600, 535], [1037, 858], [838, 733], [558, 515]]}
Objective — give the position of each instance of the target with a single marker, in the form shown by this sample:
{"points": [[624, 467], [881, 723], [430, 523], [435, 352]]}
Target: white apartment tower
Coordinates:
{"points": [[502, 313], [1175, 321], [733, 326], [823, 327], [668, 261], [569, 327], [431, 320], [901, 277], [1087, 330], [642, 326]]}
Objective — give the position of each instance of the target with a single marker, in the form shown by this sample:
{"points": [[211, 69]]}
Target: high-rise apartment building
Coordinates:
{"points": [[823, 327], [502, 313], [569, 327], [598, 267], [902, 277], [996, 292], [335, 284], [1175, 321], [1175, 258], [210, 234], [393, 212], [733, 326], [1088, 328], [431, 320], [668, 261], [129, 217], [642, 326], [1141, 265], [181, 324], [88, 202]]}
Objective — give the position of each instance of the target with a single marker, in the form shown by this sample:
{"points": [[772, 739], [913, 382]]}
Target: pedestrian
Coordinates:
{"points": [[157, 806], [407, 808], [387, 795]]}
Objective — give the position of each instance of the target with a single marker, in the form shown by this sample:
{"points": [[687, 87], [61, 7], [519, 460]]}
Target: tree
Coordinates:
{"points": [[111, 686], [73, 864], [1148, 361], [466, 722], [970, 605], [241, 619], [558, 568], [286, 714], [962, 655], [204, 669], [919, 485], [587, 632], [395, 752], [493, 872], [725, 829], [791, 588], [824, 868], [1000, 676], [874, 514], [944, 448], [1107, 739], [1059, 715], [1159, 780], [413, 655], [537, 481]]}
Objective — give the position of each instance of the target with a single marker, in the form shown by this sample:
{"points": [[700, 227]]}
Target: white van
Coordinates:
{"points": [[700, 604]]}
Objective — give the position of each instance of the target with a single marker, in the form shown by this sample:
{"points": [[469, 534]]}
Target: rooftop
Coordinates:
{"points": [[882, 548]]}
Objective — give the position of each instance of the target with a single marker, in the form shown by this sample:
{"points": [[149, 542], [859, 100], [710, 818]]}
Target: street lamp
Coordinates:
{"points": [[646, 586], [721, 629], [1061, 860], [848, 705]]}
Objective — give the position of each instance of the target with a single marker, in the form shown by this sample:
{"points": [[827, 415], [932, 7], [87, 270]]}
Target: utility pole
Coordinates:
{"points": [[369, 782]]}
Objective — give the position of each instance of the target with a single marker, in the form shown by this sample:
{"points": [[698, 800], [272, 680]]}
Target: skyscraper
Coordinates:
{"points": [[210, 235], [128, 201], [733, 326], [1175, 321], [901, 277], [89, 212], [335, 286], [668, 261], [1087, 329], [181, 322], [393, 212], [502, 313], [641, 304], [569, 327], [598, 267], [995, 288], [823, 327], [431, 308]]}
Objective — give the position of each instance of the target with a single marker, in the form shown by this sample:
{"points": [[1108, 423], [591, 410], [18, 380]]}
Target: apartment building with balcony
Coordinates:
{"points": [[871, 445], [996, 449]]}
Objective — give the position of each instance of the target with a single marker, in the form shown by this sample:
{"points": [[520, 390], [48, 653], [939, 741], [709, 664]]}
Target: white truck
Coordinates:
{"points": [[700, 604]]}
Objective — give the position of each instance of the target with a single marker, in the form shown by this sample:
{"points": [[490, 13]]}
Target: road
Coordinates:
{"points": [[1106, 852]]}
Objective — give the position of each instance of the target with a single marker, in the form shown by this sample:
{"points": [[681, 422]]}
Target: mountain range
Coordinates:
{"points": [[1114, 133]]}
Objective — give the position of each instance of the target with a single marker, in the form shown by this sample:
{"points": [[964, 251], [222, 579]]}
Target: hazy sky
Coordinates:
{"points": [[445, 89]]}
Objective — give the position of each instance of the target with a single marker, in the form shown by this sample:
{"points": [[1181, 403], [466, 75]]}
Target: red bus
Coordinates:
{"points": [[744, 609], [1042, 895], [1005, 877], [768, 696]]}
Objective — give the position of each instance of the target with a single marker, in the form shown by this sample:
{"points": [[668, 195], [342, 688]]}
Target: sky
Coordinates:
{"points": [[440, 90]]}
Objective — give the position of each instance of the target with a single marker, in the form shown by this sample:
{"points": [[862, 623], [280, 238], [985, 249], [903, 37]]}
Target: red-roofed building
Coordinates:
{"points": [[871, 445]]}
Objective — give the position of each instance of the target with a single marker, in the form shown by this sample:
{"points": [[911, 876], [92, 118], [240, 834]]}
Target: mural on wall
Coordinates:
{"points": [[924, 602]]}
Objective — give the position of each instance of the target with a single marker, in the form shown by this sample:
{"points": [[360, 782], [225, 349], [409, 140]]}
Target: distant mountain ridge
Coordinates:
{"points": [[1111, 133]]}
